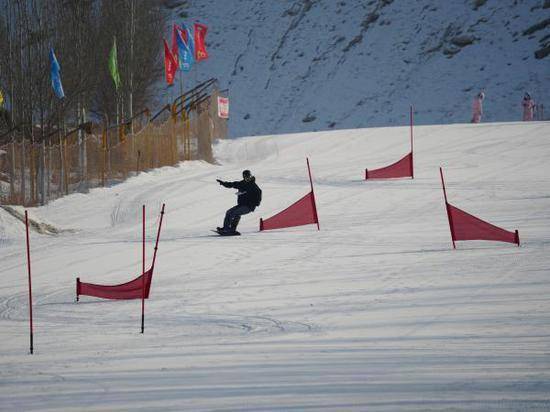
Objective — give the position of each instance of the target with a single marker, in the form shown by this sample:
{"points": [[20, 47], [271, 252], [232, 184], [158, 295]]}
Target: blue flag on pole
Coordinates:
{"points": [[55, 74], [186, 58], [190, 40]]}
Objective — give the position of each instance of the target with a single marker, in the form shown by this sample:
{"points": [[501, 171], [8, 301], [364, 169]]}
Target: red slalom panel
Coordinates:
{"points": [[465, 226], [302, 212], [401, 168], [128, 290], [134, 289]]}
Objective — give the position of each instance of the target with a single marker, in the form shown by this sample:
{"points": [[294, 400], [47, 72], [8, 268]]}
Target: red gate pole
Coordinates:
{"points": [[158, 236], [143, 271], [412, 155], [30, 284], [447, 208], [313, 195]]}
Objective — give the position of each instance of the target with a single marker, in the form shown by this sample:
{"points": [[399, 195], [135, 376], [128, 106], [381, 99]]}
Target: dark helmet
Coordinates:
{"points": [[247, 175]]}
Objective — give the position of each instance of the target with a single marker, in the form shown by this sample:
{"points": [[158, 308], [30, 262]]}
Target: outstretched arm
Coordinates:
{"points": [[227, 184]]}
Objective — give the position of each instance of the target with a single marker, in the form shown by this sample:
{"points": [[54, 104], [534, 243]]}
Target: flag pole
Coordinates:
{"points": [[447, 208], [181, 82], [30, 283], [312, 194], [143, 270], [412, 149]]}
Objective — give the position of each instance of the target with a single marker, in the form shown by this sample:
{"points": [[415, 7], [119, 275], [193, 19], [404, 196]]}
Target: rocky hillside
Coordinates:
{"points": [[305, 65]]}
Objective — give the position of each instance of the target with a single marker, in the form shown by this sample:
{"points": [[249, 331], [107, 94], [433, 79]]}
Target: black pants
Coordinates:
{"points": [[233, 216]]}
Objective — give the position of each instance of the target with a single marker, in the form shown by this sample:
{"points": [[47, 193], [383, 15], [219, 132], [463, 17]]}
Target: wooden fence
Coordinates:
{"points": [[33, 174]]}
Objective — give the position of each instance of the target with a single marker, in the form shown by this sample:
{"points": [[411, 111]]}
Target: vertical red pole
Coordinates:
{"points": [[312, 195], [143, 271], [412, 149], [447, 208], [30, 283]]}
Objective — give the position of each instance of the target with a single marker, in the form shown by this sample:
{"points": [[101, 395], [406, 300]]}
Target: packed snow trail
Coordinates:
{"points": [[373, 312]]}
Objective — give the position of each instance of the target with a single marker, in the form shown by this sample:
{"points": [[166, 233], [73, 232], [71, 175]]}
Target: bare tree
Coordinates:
{"points": [[81, 33]]}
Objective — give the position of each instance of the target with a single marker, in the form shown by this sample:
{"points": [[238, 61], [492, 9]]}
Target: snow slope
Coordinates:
{"points": [[307, 65], [375, 311]]}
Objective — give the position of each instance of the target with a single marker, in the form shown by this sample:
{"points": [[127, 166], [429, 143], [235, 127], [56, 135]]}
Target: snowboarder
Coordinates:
{"points": [[528, 107], [249, 196], [477, 107]]}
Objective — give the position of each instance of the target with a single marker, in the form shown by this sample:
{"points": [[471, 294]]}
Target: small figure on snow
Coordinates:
{"points": [[477, 107], [249, 196], [528, 108]]}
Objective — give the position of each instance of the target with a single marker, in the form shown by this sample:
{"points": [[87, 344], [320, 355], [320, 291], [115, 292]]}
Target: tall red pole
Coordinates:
{"points": [[312, 194], [447, 208], [30, 283], [143, 271], [412, 149]]}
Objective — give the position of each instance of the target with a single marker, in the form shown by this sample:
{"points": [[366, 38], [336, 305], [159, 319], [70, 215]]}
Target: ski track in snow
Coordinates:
{"points": [[373, 312]]}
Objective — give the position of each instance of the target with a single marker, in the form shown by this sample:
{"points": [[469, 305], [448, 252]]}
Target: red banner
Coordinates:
{"points": [[129, 290], [137, 288], [401, 168], [200, 46], [302, 212], [170, 64], [465, 226]]}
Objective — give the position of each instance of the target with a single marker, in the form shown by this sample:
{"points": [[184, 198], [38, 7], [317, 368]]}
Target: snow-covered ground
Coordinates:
{"points": [[375, 311], [307, 65]]}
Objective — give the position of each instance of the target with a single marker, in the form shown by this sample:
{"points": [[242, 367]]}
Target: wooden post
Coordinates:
{"points": [[62, 176], [32, 175], [67, 167], [49, 171], [43, 173], [23, 174], [12, 172]]}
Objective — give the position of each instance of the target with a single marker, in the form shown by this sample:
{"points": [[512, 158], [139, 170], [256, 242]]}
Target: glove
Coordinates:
{"points": [[219, 181]]}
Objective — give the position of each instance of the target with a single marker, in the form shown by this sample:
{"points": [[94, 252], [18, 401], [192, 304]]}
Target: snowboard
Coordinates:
{"points": [[226, 234]]}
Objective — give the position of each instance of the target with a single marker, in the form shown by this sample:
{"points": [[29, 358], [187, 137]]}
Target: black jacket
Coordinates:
{"points": [[249, 193]]}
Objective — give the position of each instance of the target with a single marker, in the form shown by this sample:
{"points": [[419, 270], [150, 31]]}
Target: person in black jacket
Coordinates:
{"points": [[249, 197]]}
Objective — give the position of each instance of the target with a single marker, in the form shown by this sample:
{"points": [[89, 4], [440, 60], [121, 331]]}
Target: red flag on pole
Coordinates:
{"points": [[200, 46], [170, 64]]}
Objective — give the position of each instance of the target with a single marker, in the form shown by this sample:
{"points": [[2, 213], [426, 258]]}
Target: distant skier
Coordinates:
{"points": [[477, 107], [528, 108], [249, 196]]}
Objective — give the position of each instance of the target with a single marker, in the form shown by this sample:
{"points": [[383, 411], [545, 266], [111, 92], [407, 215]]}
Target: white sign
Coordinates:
{"points": [[223, 107]]}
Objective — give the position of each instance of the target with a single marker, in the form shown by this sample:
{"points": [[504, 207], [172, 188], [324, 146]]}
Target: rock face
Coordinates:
{"points": [[307, 65]]}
